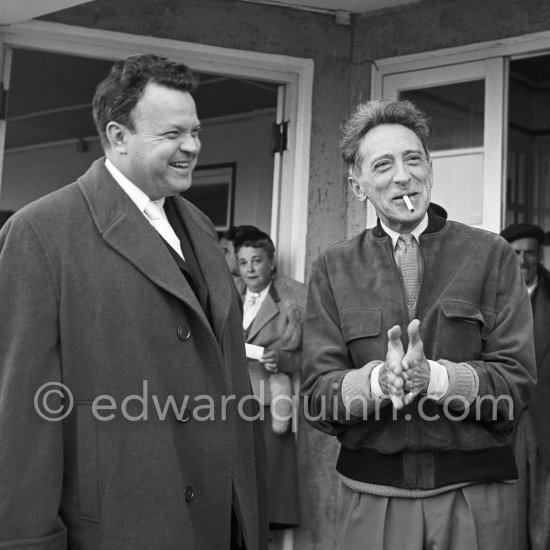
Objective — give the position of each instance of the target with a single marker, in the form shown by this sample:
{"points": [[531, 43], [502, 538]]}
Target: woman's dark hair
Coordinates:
{"points": [[235, 232], [255, 239]]}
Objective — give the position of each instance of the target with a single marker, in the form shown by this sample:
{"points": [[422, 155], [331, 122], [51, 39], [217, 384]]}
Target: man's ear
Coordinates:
{"points": [[357, 188], [116, 135]]}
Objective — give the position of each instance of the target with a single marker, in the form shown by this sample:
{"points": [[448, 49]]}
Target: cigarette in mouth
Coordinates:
{"points": [[408, 203]]}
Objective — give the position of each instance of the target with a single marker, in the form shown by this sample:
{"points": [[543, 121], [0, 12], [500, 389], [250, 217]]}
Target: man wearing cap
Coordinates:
{"points": [[532, 444]]}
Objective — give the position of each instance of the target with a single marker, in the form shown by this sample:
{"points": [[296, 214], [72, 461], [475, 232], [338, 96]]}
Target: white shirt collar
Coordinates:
{"points": [[533, 285], [262, 293], [139, 198], [416, 232]]}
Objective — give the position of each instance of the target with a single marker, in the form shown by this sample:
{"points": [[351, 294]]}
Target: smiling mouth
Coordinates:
{"points": [[181, 165]]}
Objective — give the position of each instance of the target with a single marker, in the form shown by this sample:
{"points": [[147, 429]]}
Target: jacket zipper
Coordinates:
{"points": [[414, 417]]}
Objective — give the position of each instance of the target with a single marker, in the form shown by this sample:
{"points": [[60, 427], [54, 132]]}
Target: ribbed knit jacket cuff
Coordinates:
{"points": [[356, 388], [463, 383]]}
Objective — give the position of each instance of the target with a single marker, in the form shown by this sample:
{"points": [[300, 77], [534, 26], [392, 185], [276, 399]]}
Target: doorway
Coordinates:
{"points": [[528, 167], [292, 76], [528, 177], [464, 103], [51, 139]]}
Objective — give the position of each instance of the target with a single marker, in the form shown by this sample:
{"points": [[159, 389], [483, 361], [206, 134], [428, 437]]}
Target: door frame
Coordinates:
{"points": [[492, 72], [497, 53], [291, 169]]}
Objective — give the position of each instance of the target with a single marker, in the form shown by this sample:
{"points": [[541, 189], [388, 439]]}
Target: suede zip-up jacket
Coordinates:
{"points": [[475, 320]]}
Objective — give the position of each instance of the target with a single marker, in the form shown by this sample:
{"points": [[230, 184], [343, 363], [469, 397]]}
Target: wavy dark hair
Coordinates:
{"points": [[116, 97]]}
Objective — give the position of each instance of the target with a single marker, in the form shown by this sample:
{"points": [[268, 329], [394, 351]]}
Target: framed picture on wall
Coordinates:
{"points": [[212, 192]]}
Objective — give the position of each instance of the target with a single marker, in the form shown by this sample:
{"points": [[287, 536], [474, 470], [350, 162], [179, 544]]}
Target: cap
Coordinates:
{"points": [[522, 231]]}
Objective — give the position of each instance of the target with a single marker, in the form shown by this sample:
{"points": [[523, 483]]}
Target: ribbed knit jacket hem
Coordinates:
{"points": [[449, 467]]}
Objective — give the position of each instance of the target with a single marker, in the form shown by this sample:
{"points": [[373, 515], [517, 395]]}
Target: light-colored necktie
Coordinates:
{"points": [[251, 307], [162, 225], [408, 265]]}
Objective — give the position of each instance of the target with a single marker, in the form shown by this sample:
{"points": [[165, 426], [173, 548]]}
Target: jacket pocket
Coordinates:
{"points": [[87, 463], [462, 328], [361, 323], [361, 332]]}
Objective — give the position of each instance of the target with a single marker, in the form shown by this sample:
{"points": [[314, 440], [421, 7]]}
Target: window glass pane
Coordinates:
{"points": [[456, 112]]}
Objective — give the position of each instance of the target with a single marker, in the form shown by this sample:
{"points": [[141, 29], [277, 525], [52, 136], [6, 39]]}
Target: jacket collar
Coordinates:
{"points": [[435, 223], [541, 313], [271, 292], [267, 311]]}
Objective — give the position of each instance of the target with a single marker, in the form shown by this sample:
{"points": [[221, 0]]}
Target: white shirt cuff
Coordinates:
{"points": [[375, 389], [437, 387], [439, 381]]}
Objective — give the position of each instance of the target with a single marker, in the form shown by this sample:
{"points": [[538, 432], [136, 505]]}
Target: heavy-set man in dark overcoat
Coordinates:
{"points": [[157, 449]]}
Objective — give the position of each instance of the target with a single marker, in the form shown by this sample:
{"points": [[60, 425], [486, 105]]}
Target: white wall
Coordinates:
{"points": [[33, 172], [247, 143]]}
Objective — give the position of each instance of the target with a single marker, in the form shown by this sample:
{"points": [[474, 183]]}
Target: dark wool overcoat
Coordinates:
{"points": [[539, 405], [153, 454]]}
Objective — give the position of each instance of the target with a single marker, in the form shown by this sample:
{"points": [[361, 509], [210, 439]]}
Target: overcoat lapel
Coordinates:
{"points": [[540, 322], [211, 263], [267, 311], [126, 230]]}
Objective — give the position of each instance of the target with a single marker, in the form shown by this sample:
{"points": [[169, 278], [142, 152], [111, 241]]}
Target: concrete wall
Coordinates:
{"points": [[434, 24]]}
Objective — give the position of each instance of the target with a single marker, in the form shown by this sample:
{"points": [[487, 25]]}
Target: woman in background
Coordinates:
{"points": [[273, 312]]}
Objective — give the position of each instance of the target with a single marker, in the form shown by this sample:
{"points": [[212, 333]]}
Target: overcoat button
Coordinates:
{"points": [[183, 332], [189, 494], [185, 416]]}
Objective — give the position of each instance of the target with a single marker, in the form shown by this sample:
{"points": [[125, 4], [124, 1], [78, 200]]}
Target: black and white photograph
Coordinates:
{"points": [[274, 275]]}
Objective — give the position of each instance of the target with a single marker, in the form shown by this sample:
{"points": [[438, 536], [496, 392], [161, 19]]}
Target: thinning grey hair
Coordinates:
{"points": [[374, 113]]}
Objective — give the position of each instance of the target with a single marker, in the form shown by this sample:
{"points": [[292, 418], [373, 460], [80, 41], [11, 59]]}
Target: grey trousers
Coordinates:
{"points": [[475, 517], [533, 489]]}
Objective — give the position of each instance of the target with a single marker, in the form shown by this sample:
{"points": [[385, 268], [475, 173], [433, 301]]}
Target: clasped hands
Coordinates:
{"points": [[403, 376], [270, 360]]}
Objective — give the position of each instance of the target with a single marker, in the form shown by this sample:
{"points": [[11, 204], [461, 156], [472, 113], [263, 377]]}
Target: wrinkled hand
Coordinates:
{"points": [[416, 369], [270, 360], [390, 375]]}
